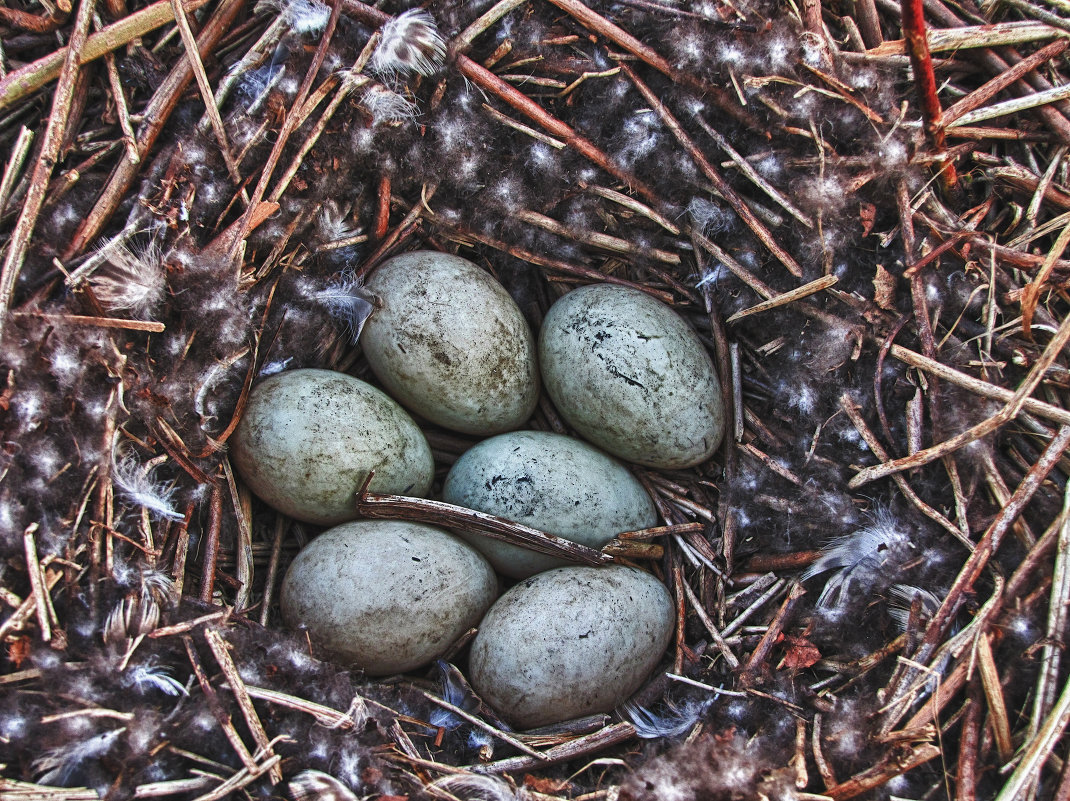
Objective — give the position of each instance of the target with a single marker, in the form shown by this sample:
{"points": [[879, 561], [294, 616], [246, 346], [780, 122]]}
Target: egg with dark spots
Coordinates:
{"points": [[308, 439], [630, 375], [570, 642], [450, 344], [386, 596], [551, 482]]}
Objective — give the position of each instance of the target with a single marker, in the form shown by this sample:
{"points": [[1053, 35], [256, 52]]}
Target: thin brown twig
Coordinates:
{"points": [[51, 143]]}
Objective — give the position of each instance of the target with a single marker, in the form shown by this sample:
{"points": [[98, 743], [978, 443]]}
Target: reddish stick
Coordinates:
{"points": [[925, 80]]}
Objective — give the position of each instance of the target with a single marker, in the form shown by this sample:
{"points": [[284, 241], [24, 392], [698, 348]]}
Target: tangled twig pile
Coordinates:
{"points": [[861, 208]]}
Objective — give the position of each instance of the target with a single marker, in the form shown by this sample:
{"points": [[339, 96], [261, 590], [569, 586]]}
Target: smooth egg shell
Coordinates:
{"points": [[550, 482], [386, 596], [631, 376], [308, 439], [449, 343], [570, 642]]}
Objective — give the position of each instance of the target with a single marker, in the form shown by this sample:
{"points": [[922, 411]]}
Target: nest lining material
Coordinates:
{"points": [[870, 578]]}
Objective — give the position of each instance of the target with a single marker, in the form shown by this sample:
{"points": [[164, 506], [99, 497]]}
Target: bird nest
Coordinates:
{"points": [[861, 208]]}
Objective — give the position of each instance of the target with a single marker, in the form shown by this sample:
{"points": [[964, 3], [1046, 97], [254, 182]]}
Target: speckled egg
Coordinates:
{"points": [[386, 596], [631, 376], [450, 344], [550, 482], [308, 439], [570, 642]]}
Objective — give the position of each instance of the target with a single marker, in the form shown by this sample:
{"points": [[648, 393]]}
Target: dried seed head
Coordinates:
{"points": [[410, 43], [130, 279]]}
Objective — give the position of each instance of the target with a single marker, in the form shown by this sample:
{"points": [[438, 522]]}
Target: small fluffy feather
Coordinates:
{"points": [[410, 43], [136, 485], [347, 301], [859, 559], [57, 765]]}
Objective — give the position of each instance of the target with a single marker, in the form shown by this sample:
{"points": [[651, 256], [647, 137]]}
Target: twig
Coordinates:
{"points": [[895, 763], [581, 746], [718, 640], [494, 732], [982, 94], [324, 715], [237, 686], [1038, 749], [1058, 613], [997, 35], [155, 115], [211, 544], [14, 165], [97, 322], [401, 507], [273, 569], [979, 386], [37, 585], [18, 84], [51, 143], [756, 661], [719, 183], [982, 429], [785, 298], [190, 43], [990, 542]]}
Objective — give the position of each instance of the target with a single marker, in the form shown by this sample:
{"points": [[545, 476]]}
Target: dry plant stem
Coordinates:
{"points": [[273, 569], [211, 543], [14, 165], [720, 184], [25, 80], [853, 411], [978, 386], [600, 25], [785, 298], [501, 735], [207, 95], [581, 746], [756, 661], [46, 160], [718, 640], [155, 116], [421, 510], [982, 429], [463, 41], [324, 715], [869, 23], [237, 686], [572, 270], [997, 707], [97, 322], [37, 585], [921, 63], [969, 741], [14, 789], [1058, 609], [288, 128], [987, 91], [244, 547], [1038, 749], [990, 542], [215, 705], [896, 763], [612, 244], [488, 81]]}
